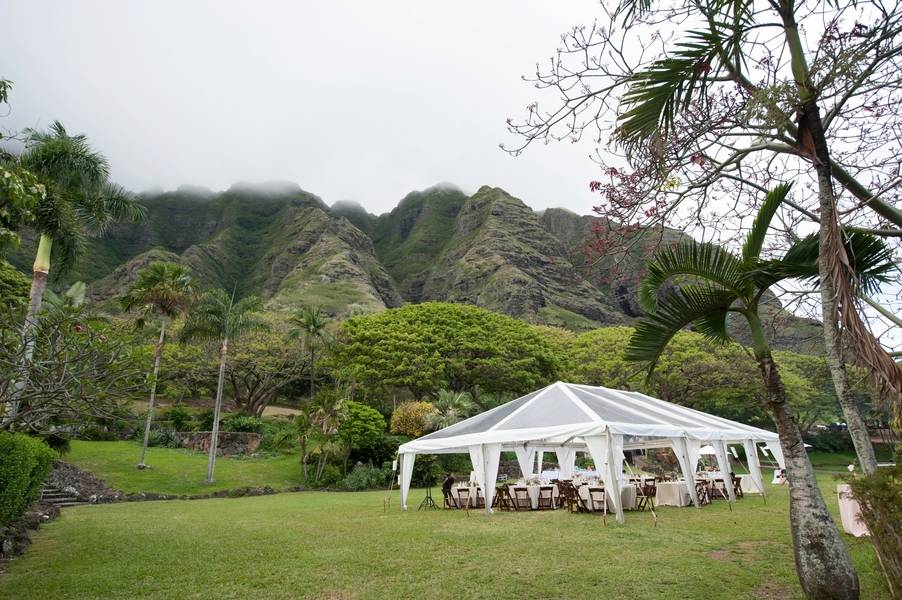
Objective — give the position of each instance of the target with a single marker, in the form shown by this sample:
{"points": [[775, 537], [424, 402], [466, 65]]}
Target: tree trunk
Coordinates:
{"points": [[822, 562], [312, 370], [829, 246], [837, 302], [157, 353], [40, 271], [214, 435], [837, 292]]}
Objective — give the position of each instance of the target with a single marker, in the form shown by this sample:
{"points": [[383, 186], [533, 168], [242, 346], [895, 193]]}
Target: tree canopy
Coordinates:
{"points": [[417, 350]]}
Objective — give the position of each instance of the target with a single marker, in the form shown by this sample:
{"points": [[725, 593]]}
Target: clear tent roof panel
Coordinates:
{"points": [[558, 414]]}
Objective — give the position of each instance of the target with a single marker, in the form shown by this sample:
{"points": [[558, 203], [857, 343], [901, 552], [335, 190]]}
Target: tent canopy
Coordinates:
{"points": [[561, 414], [565, 418]]}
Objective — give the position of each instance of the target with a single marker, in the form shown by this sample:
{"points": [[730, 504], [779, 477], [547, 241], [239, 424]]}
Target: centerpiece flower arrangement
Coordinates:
{"points": [[533, 479]]}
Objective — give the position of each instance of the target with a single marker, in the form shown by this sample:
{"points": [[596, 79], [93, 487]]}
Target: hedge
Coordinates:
{"points": [[25, 463]]}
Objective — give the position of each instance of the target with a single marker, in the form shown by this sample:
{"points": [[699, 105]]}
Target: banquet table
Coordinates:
{"points": [[533, 491], [628, 493], [472, 489], [850, 512], [672, 493]]}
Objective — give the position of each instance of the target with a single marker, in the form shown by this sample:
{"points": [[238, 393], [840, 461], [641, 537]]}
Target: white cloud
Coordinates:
{"points": [[353, 100]]}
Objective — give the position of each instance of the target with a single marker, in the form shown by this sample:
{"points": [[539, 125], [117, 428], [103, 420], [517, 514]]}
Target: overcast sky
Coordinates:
{"points": [[361, 101]]}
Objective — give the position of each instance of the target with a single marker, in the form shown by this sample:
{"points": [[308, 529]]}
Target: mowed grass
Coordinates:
{"points": [[342, 545], [175, 471]]}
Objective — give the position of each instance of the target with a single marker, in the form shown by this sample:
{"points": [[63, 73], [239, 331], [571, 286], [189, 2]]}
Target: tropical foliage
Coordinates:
{"points": [[415, 351]]}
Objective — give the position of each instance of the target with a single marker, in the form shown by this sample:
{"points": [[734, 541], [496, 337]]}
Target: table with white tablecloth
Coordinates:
{"points": [[628, 497], [672, 493], [472, 489], [533, 491]]}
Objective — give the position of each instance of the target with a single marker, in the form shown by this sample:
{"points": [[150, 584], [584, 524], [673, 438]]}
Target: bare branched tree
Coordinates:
{"points": [[701, 106]]}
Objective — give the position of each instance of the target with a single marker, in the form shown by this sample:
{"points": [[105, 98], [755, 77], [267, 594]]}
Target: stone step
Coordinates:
{"points": [[73, 503]]}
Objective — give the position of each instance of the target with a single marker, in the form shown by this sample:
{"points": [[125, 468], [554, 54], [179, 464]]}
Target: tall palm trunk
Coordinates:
{"points": [[40, 271], [214, 435], [312, 370], [824, 567], [823, 564], [304, 456], [157, 353], [831, 250]]}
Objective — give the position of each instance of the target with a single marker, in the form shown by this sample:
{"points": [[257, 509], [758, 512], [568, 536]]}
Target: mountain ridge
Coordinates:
{"points": [[291, 248]]}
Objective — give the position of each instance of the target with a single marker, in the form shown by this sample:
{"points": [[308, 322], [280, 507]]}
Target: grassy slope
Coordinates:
{"points": [[318, 545], [179, 471]]}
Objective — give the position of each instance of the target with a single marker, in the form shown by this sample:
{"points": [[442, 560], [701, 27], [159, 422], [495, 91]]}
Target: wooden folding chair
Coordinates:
{"points": [[578, 504], [737, 487], [463, 497], [449, 499], [701, 490], [502, 500], [521, 498], [649, 491], [546, 497]]}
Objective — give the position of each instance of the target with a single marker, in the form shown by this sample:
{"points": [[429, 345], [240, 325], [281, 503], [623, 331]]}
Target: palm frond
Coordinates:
{"points": [[705, 305], [656, 94], [705, 261], [754, 242], [870, 260], [165, 288]]}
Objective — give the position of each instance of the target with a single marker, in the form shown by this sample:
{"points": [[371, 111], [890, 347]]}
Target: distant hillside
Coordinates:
{"points": [[489, 249]]}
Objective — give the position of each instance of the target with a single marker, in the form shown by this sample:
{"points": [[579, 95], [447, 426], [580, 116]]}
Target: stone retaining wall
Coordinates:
{"points": [[230, 443]]}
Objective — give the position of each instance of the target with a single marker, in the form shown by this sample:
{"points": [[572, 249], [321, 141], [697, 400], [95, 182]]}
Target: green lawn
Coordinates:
{"points": [[176, 471], [342, 545]]}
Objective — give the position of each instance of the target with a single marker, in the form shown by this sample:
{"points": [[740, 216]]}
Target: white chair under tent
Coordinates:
{"points": [[566, 418]]}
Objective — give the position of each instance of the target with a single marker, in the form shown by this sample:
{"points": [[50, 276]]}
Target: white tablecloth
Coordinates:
{"points": [[850, 512], [748, 485], [628, 494], [672, 493]]}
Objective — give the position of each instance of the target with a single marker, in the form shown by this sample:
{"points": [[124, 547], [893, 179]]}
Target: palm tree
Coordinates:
{"points": [[327, 410], [218, 317], [164, 289], [451, 407], [311, 322], [79, 202], [723, 284]]}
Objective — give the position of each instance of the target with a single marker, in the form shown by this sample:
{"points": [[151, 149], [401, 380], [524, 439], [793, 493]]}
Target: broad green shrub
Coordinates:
{"points": [[331, 476], [179, 417], [25, 463], [96, 433], [279, 436], [205, 420], [880, 497], [242, 423], [162, 438], [364, 478]]}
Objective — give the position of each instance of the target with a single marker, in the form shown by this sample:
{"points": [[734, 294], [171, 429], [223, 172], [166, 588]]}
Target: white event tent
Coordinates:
{"points": [[566, 418]]}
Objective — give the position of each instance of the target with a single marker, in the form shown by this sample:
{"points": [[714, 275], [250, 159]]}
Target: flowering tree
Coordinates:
{"points": [[701, 101]]}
